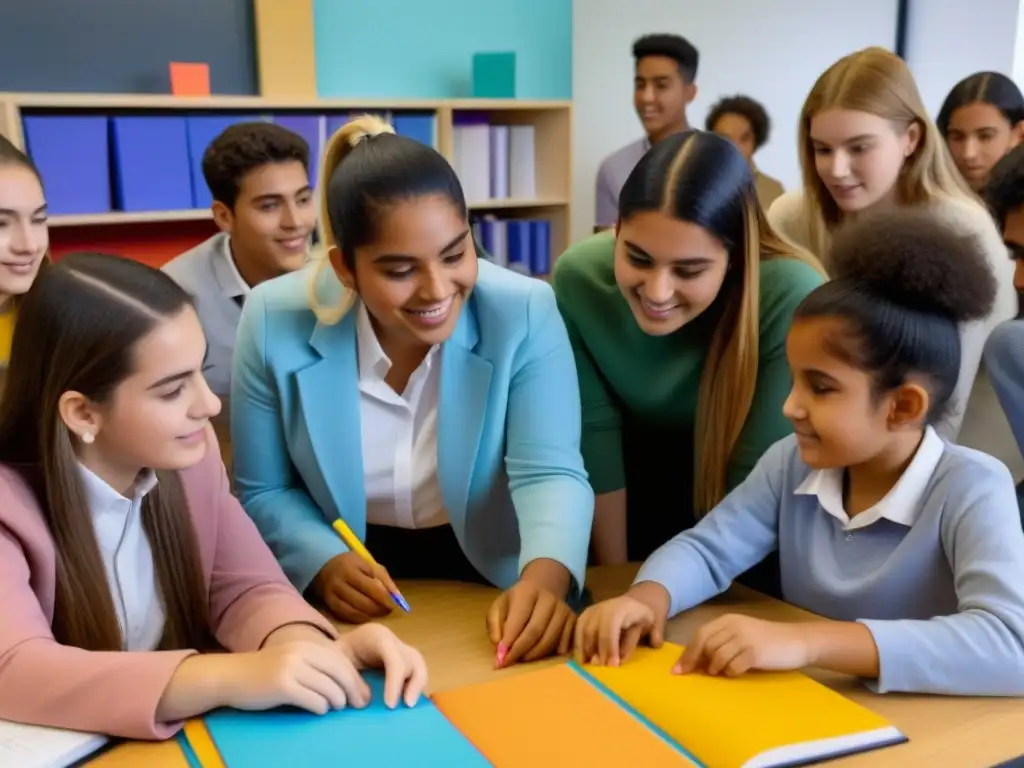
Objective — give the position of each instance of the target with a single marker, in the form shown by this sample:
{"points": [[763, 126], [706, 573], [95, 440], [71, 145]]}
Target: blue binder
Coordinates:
{"points": [[375, 735], [519, 245], [419, 126], [151, 169], [308, 127], [540, 246], [73, 157], [202, 129]]}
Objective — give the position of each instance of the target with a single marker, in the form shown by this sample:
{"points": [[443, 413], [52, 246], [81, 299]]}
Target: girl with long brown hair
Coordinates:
{"points": [[125, 563], [867, 143], [678, 320]]}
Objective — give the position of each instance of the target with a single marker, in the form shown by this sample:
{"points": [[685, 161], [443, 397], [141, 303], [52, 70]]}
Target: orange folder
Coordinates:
{"points": [[550, 717], [132, 754]]}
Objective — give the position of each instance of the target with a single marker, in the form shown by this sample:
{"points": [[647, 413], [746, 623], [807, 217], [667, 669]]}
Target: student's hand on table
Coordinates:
{"points": [[529, 622], [607, 633], [373, 646], [308, 675], [731, 645], [353, 590]]}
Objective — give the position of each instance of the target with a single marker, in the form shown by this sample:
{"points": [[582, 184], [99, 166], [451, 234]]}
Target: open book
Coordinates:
{"points": [[32, 746], [756, 720]]}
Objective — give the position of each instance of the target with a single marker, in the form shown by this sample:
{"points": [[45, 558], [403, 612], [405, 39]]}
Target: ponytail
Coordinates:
{"points": [[339, 147]]}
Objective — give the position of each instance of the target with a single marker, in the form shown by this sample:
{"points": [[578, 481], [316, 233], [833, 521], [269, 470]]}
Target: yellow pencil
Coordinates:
{"points": [[353, 543]]}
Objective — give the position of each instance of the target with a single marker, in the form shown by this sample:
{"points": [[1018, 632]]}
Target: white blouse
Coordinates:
{"points": [[399, 437], [127, 559]]}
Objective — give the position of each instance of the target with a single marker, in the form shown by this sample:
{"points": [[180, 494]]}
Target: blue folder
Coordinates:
{"points": [[151, 169], [72, 154], [416, 125], [375, 735], [308, 127], [202, 129], [519, 245]]}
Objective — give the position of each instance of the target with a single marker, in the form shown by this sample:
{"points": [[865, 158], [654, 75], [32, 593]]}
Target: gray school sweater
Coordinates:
{"points": [[938, 577]]}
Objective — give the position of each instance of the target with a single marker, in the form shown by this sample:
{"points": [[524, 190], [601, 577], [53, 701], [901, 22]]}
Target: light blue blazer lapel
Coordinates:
{"points": [[329, 398], [462, 409]]}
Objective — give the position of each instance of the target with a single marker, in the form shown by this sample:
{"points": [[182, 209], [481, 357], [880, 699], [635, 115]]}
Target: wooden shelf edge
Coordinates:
{"points": [[127, 217], [162, 101], [484, 205]]}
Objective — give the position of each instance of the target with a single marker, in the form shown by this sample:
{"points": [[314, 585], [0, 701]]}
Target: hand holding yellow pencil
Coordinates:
{"points": [[353, 543]]}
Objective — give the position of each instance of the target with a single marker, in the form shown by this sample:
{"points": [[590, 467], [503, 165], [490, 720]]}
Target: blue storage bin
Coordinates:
{"points": [[416, 125], [335, 122], [151, 163], [72, 154], [202, 129], [308, 127]]}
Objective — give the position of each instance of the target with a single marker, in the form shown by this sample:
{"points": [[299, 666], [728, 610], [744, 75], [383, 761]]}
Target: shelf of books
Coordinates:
{"points": [[122, 172]]}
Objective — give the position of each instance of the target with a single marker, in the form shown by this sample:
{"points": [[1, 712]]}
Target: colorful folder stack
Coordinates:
{"points": [[635, 714]]}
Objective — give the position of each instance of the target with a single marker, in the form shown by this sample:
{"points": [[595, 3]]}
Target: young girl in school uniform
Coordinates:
{"points": [[981, 119], [425, 396], [125, 563], [909, 547], [23, 235], [867, 143]]}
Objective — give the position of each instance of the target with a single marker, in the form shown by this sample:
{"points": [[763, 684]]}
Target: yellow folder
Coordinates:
{"points": [[758, 719]]}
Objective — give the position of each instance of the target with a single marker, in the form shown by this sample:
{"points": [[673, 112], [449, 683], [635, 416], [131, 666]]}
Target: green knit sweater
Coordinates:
{"points": [[655, 379]]}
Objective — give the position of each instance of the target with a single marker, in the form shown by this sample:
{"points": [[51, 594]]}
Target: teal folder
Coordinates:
{"points": [[376, 735]]}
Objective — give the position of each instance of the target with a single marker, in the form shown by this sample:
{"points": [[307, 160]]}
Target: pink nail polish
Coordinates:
{"points": [[502, 653]]}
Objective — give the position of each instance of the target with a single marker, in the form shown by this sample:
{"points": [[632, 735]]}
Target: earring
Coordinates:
{"points": [[88, 438]]}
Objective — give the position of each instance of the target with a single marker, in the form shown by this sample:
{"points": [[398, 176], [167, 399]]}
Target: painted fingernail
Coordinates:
{"points": [[502, 653]]}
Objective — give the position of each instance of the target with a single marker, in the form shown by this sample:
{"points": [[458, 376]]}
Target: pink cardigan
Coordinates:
{"points": [[117, 693]]}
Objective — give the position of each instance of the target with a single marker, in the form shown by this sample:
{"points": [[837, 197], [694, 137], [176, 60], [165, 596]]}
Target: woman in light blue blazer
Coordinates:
{"points": [[424, 396]]}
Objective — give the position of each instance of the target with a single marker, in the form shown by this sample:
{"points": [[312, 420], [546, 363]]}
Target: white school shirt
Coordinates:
{"points": [[902, 504], [399, 437], [242, 288], [127, 559]]}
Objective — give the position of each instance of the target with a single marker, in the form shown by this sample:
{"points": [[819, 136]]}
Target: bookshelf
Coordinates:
{"points": [[551, 122]]}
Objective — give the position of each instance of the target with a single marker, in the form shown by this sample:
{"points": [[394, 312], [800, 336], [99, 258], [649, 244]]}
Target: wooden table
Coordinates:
{"points": [[447, 625]]}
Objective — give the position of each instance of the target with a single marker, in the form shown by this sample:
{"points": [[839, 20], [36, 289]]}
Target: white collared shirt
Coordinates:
{"points": [[399, 437], [243, 289], [127, 559], [900, 505]]}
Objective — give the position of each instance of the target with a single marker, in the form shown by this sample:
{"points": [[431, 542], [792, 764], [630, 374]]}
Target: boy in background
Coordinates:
{"points": [[663, 86], [1004, 350], [258, 175]]}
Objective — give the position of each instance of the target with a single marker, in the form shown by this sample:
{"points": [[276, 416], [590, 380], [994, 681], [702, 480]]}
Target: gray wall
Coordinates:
{"points": [[124, 46]]}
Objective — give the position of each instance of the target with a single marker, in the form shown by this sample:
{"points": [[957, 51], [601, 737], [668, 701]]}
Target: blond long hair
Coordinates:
{"points": [[339, 146], [877, 81], [701, 178]]}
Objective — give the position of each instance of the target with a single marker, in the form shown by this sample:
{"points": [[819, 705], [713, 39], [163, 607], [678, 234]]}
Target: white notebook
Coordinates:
{"points": [[31, 746]]}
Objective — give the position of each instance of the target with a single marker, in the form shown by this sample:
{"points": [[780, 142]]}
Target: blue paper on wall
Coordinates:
{"points": [[151, 166], [375, 735], [72, 154]]}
